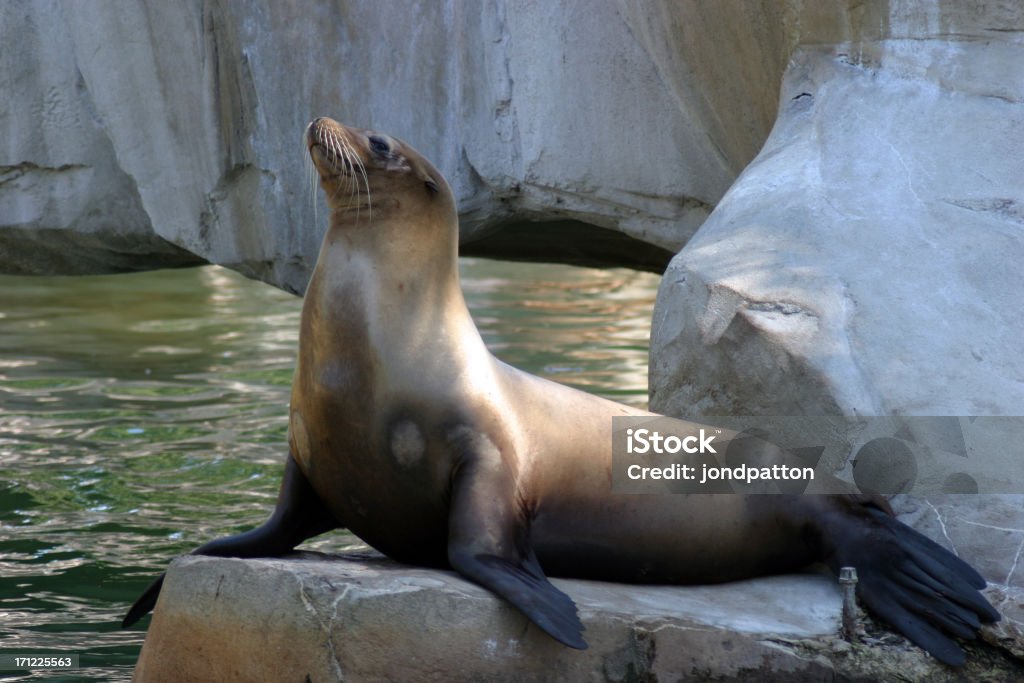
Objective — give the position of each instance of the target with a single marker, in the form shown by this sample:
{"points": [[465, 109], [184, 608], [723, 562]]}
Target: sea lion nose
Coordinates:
{"points": [[312, 128]]}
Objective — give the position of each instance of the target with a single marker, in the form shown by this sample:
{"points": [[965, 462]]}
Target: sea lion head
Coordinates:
{"points": [[367, 171]]}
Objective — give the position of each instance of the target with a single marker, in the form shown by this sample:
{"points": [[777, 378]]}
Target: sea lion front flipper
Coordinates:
{"points": [[926, 592], [299, 514], [488, 543]]}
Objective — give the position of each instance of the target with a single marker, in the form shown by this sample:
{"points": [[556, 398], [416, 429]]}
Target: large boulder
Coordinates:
{"points": [[144, 134], [867, 263], [360, 617], [147, 134]]}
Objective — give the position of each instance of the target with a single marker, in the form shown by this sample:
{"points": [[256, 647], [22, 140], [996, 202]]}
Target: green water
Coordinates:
{"points": [[141, 415]]}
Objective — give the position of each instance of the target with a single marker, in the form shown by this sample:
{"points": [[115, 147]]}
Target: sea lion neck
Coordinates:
{"points": [[400, 289], [409, 260]]}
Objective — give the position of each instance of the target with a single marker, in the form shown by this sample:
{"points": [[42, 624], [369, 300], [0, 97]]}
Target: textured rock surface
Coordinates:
{"points": [[67, 205], [158, 124], [360, 617], [139, 129], [867, 263]]}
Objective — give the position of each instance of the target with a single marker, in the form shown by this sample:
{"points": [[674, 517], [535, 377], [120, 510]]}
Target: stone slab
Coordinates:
{"points": [[362, 617]]}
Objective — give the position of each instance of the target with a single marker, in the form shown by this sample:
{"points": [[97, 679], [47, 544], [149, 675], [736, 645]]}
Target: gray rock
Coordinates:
{"points": [[66, 204], [867, 263], [853, 266], [177, 126], [144, 134], [361, 617]]}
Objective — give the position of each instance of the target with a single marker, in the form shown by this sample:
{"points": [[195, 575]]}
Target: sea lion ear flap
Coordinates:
{"points": [[431, 185]]}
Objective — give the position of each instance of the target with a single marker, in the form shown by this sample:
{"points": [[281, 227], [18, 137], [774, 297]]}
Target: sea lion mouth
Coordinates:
{"points": [[327, 162], [330, 149]]}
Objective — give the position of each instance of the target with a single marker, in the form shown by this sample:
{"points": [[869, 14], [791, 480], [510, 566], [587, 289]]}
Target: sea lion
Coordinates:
{"points": [[407, 431]]}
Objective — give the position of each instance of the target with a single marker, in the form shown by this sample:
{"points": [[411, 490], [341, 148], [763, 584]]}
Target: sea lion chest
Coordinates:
{"points": [[368, 435]]}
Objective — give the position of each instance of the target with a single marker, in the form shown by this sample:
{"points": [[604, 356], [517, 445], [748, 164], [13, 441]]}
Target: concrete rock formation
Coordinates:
{"points": [[866, 262], [170, 132], [362, 617], [145, 134]]}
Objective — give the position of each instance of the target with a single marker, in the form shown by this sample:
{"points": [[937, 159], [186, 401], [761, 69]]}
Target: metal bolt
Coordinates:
{"points": [[848, 581]]}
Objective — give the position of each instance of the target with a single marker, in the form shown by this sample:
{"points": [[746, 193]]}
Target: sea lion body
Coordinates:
{"points": [[379, 397], [407, 431], [555, 441]]}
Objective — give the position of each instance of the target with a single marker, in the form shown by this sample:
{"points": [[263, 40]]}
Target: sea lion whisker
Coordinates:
{"points": [[346, 152], [322, 141], [340, 159], [366, 183], [352, 182], [346, 158], [311, 178], [359, 188], [359, 167], [335, 148]]}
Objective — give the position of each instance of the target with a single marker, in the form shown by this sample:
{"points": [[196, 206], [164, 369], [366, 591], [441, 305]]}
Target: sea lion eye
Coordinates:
{"points": [[379, 145]]}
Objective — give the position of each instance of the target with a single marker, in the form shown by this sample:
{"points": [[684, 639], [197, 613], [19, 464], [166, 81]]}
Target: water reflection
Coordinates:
{"points": [[142, 414], [582, 327]]}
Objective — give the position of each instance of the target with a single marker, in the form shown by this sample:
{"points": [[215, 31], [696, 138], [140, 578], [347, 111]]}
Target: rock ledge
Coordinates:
{"points": [[360, 616]]}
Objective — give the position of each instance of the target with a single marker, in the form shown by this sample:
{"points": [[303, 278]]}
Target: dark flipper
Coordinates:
{"points": [[145, 603], [924, 591], [488, 541], [298, 515]]}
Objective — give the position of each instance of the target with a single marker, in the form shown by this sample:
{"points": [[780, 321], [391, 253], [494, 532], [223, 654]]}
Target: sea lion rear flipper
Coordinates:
{"points": [[926, 592], [299, 514], [488, 543]]}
